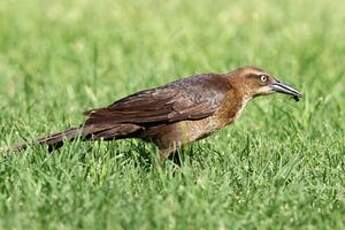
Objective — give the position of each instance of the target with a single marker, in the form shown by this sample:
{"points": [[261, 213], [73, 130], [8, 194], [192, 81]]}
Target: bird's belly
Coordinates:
{"points": [[196, 130], [182, 132]]}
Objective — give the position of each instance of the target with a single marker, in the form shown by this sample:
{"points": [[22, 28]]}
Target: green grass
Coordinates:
{"points": [[282, 165]]}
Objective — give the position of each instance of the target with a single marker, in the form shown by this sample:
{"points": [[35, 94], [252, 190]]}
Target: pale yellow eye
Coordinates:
{"points": [[263, 78]]}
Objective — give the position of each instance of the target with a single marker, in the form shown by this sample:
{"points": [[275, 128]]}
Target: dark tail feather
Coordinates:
{"points": [[92, 132], [53, 141], [56, 140]]}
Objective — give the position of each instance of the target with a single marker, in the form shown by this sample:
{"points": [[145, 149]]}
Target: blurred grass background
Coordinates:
{"points": [[281, 165]]}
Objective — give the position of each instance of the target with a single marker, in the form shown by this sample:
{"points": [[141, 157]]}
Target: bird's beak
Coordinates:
{"points": [[281, 87]]}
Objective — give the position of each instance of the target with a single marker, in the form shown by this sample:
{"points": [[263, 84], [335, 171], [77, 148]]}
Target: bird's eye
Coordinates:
{"points": [[263, 78]]}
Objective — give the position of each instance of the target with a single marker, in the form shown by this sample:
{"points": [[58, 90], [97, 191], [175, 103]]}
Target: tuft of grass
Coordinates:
{"points": [[280, 166]]}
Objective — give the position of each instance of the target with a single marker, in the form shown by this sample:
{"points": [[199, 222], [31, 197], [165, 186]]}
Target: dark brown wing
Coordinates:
{"points": [[187, 99]]}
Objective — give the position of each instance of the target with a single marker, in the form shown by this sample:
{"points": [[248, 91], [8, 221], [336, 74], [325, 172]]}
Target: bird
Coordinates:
{"points": [[175, 114]]}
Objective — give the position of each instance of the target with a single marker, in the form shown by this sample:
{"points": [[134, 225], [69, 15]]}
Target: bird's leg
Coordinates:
{"points": [[175, 157], [172, 153], [165, 153]]}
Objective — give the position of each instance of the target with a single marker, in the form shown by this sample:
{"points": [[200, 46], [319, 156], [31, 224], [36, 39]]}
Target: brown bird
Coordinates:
{"points": [[175, 114]]}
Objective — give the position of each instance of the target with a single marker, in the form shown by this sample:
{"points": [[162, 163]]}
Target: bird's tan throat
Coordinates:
{"points": [[232, 107]]}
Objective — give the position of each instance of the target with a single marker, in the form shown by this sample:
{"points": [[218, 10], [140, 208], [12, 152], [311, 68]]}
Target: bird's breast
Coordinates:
{"points": [[192, 130], [231, 109], [187, 131]]}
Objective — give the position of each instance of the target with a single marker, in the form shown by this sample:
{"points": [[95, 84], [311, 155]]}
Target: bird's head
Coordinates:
{"points": [[252, 82]]}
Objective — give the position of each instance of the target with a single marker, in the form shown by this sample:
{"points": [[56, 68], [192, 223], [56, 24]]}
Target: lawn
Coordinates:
{"points": [[282, 165]]}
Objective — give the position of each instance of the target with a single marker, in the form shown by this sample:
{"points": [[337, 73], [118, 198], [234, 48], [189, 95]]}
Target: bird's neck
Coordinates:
{"points": [[234, 105]]}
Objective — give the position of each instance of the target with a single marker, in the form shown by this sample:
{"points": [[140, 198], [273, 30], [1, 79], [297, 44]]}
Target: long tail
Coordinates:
{"points": [[53, 141], [94, 132]]}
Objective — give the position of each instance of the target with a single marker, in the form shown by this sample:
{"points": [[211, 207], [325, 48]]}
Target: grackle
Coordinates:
{"points": [[177, 113]]}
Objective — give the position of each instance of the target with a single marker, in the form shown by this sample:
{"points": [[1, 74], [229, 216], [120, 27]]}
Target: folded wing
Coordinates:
{"points": [[188, 99]]}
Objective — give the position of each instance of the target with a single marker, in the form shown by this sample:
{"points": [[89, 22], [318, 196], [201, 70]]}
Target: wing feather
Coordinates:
{"points": [[191, 98]]}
